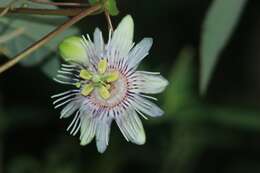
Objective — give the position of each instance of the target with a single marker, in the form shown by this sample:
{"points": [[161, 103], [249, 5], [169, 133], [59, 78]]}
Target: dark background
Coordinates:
{"points": [[219, 132]]}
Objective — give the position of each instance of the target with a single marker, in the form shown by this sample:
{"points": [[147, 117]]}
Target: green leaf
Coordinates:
{"points": [[92, 2], [218, 26], [13, 3], [19, 32], [111, 6], [50, 65]]}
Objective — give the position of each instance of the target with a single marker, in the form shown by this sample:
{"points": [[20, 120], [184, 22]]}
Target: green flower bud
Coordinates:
{"points": [[72, 49]]}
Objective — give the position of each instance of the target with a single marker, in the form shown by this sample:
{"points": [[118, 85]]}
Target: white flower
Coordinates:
{"points": [[107, 86]]}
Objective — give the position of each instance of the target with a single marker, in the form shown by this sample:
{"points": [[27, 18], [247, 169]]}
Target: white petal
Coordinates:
{"points": [[131, 127], [90, 49], [69, 109], [150, 83], [98, 41], [88, 128], [139, 52], [102, 134], [147, 107], [75, 124], [122, 38]]}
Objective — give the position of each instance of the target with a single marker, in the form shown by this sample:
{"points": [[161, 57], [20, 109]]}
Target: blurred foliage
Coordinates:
{"points": [[18, 32], [181, 92], [216, 133], [218, 26]]}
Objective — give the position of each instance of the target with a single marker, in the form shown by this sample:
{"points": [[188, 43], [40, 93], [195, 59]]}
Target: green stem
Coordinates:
{"points": [[110, 26], [58, 12], [48, 37], [68, 4]]}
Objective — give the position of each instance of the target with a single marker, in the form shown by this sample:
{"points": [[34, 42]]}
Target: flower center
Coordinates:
{"points": [[101, 80]]}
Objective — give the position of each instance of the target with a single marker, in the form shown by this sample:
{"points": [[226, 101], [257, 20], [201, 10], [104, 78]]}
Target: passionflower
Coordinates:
{"points": [[106, 85]]}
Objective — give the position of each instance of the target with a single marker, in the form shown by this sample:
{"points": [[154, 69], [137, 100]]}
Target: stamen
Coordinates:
{"points": [[102, 66], [85, 74], [87, 89], [112, 76], [103, 92]]}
